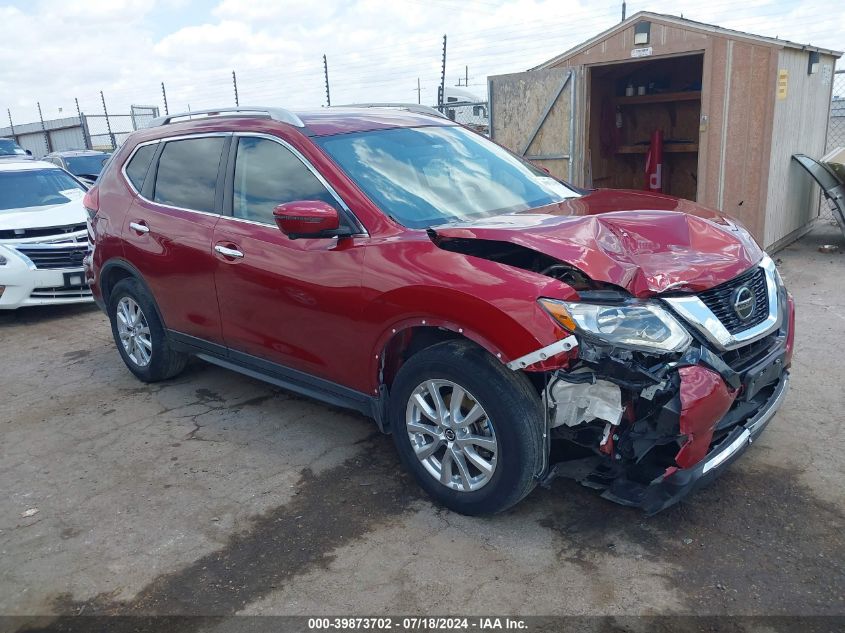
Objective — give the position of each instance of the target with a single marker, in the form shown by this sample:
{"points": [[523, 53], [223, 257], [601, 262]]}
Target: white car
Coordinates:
{"points": [[43, 236]]}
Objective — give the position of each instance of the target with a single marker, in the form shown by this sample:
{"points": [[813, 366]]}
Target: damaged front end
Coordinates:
{"points": [[658, 396]]}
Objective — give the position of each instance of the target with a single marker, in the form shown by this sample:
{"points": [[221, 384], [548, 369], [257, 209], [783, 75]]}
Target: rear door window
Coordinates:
{"points": [[139, 165], [187, 173]]}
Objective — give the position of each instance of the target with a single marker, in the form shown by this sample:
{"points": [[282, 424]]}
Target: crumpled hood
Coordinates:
{"points": [[645, 243]]}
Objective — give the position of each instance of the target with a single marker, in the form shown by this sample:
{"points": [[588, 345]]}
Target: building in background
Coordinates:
{"points": [[733, 107]]}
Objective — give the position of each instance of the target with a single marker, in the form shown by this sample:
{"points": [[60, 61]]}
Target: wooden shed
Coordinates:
{"points": [[732, 108]]}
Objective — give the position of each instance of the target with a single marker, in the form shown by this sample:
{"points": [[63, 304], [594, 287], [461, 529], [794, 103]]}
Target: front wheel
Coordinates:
{"points": [[468, 428]]}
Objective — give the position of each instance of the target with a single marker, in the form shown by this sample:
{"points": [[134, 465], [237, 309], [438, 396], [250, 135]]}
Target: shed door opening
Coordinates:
{"points": [[627, 103]]}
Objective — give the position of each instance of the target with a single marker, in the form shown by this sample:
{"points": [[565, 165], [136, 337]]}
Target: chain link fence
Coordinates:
{"points": [[106, 132], [473, 114], [836, 129], [86, 131]]}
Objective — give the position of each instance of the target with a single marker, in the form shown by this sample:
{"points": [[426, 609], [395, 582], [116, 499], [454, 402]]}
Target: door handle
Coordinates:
{"points": [[228, 252], [137, 226]]}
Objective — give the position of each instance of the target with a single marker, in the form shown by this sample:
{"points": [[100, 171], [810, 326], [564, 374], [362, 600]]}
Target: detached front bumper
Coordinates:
{"points": [[678, 483]]}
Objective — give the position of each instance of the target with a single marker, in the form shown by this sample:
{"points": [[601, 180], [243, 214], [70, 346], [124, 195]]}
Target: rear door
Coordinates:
{"points": [[168, 231], [291, 302]]}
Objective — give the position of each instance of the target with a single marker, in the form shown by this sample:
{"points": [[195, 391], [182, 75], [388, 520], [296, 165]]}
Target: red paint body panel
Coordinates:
{"points": [[408, 280], [177, 262], [705, 399], [293, 302], [639, 241]]}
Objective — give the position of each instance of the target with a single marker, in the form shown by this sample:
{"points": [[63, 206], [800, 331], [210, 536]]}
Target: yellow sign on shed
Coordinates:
{"points": [[783, 83]]}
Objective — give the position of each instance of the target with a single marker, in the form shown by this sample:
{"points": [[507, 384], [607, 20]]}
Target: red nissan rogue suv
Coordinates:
{"points": [[505, 327]]}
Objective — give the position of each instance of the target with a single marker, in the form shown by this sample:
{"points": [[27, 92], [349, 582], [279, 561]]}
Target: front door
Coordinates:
{"points": [[291, 302]]}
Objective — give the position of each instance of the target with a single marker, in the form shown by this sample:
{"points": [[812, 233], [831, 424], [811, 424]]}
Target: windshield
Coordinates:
{"points": [[37, 188], [90, 165], [9, 148], [427, 176]]}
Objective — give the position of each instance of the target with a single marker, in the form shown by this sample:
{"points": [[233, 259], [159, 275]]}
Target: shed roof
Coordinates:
{"points": [[673, 20]]}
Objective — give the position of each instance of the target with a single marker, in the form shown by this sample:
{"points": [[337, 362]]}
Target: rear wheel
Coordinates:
{"points": [[139, 334], [469, 429]]}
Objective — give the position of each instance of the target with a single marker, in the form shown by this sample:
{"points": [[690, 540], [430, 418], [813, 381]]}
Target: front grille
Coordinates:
{"points": [[50, 231], [56, 257], [744, 357], [719, 300], [60, 292]]}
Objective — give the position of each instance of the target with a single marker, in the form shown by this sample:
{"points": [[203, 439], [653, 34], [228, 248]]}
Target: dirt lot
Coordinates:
{"points": [[217, 494]]}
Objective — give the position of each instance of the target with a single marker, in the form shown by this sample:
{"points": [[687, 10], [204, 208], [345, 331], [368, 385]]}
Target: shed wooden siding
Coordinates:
{"points": [[799, 126], [513, 127], [665, 39], [733, 170]]}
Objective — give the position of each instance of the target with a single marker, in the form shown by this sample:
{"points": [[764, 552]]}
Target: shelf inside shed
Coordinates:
{"points": [[660, 97], [668, 148], [618, 124]]}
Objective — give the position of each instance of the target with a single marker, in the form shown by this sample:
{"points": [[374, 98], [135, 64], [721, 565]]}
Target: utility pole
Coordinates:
{"points": [[164, 96], [235, 84], [326, 76], [108, 123], [419, 91], [441, 97], [623, 10], [44, 129]]}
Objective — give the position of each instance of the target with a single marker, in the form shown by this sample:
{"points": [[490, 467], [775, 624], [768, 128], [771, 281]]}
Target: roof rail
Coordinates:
{"points": [[276, 114], [410, 107]]}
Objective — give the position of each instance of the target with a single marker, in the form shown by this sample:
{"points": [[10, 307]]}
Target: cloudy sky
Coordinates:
{"points": [[55, 50]]}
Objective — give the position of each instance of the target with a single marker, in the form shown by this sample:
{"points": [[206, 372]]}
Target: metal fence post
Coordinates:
{"points": [[85, 138], [326, 76], [11, 125], [108, 124], [86, 133], [441, 93], [164, 96], [44, 129]]}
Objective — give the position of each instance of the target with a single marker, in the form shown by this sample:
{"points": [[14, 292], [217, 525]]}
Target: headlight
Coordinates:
{"points": [[641, 326]]}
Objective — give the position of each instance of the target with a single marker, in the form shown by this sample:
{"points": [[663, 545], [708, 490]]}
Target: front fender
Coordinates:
{"points": [[506, 331]]}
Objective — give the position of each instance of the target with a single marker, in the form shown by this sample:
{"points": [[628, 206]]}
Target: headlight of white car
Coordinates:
{"points": [[642, 326]]}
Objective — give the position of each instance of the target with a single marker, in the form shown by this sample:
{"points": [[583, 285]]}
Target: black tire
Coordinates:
{"points": [[164, 362], [513, 408]]}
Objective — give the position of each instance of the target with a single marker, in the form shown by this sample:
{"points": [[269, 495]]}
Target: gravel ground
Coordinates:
{"points": [[216, 494]]}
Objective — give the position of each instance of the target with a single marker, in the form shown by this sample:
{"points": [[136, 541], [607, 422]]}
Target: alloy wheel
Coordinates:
{"points": [[451, 435], [134, 332]]}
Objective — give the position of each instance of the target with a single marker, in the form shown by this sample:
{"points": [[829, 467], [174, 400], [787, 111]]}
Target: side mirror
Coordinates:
{"points": [[28, 152], [307, 218]]}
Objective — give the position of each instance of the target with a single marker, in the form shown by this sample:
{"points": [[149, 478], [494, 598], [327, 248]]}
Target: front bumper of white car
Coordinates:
{"points": [[42, 274]]}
